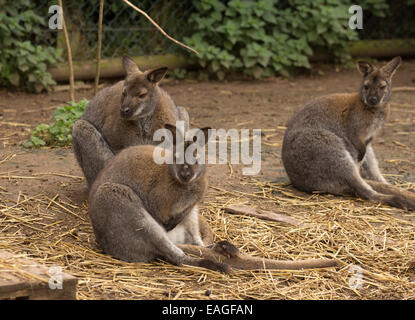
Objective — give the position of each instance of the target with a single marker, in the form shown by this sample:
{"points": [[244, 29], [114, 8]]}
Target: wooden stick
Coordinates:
{"points": [[261, 214], [403, 89], [158, 27], [14, 124], [101, 13], [68, 48]]}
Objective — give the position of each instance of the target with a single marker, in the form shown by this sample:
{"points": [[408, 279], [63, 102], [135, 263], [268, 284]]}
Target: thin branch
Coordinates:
{"points": [[158, 27], [68, 48], [101, 13]]}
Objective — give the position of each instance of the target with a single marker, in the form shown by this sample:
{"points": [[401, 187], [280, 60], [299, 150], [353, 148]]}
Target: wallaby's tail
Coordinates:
{"points": [[404, 198], [224, 252]]}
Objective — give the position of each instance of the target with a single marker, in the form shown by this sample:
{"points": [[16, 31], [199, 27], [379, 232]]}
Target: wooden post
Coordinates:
{"points": [[101, 13], [68, 48]]}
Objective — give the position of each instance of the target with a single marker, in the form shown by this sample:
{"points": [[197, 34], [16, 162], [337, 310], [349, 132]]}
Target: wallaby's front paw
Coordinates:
{"points": [[226, 248]]}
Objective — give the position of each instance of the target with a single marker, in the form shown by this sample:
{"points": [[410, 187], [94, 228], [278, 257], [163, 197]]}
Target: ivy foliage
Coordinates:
{"points": [[266, 37], [261, 38], [23, 62], [59, 132]]}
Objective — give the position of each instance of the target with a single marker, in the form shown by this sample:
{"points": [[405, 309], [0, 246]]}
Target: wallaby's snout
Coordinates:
{"points": [[373, 101], [186, 173], [126, 112]]}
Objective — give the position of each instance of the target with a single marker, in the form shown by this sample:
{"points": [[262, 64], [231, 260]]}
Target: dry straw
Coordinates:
{"points": [[375, 237]]}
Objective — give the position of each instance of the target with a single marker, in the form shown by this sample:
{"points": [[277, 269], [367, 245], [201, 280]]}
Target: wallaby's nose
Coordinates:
{"points": [[373, 100], [185, 175], [125, 112]]}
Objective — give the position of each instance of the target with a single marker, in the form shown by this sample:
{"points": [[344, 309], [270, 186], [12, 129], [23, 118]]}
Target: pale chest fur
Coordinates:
{"points": [[373, 129], [375, 122], [177, 203]]}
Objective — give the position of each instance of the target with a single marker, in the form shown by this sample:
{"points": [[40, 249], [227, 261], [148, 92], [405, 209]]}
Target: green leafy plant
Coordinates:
{"points": [[59, 132], [265, 37], [23, 62]]}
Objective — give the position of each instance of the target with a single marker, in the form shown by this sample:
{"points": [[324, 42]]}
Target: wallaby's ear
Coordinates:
{"points": [[392, 66], [156, 75], [364, 67], [176, 134], [202, 140], [129, 65], [207, 132]]}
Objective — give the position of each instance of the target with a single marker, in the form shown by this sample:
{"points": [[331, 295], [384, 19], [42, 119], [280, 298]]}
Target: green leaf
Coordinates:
{"points": [[14, 79]]}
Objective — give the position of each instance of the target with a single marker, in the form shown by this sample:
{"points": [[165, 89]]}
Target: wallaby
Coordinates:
{"points": [[327, 145], [125, 114], [141, 210]]}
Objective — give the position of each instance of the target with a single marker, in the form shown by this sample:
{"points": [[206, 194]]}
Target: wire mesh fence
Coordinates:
{"points": [[396, 21], [125, 31]]}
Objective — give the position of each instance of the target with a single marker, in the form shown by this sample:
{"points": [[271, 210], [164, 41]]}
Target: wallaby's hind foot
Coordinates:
{"points": [[226, 248], [207, 264], [404, 198], [90, 148], [377, 191]]}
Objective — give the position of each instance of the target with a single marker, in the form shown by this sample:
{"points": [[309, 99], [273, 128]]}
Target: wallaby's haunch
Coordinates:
{"points": [[141, 210], [327, 145], [123, 115]]}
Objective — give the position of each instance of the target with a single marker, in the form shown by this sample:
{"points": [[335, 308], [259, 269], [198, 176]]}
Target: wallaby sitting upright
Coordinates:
{"points": [[327, 145], [141, 210], [125, 114]]}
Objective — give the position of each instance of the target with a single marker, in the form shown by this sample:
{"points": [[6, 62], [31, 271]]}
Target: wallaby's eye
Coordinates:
{"points": [[365, 87], [383, 87], [142, 95]]}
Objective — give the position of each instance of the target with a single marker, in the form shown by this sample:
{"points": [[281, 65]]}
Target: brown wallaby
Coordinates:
{"points": [[327, 145], [141, 210], [125, 114]]}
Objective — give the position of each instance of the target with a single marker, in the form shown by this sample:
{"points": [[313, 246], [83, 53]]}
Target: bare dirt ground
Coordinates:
{"points": [[44, 209]]}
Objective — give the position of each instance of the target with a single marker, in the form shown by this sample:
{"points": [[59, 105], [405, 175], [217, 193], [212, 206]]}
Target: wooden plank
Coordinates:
{"points": [[24, 278]]}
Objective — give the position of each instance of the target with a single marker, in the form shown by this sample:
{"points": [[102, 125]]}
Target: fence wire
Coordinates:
{"points": [[397, 22], [125, 31]]}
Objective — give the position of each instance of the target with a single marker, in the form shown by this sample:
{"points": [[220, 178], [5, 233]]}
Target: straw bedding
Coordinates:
{"points": [[377, 238]]}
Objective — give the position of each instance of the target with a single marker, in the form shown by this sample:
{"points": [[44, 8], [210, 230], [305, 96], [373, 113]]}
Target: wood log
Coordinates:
{"points": [[112, 68]]}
